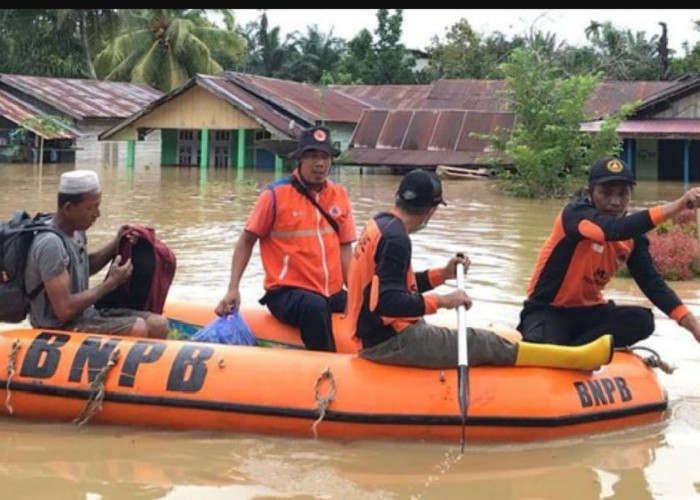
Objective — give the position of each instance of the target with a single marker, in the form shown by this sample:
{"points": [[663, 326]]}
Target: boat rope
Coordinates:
{"points": [[323, 402], [653, 361], [11, 360], [97, 391]]}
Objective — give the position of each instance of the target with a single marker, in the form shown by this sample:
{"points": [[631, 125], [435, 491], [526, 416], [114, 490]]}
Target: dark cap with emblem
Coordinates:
{"points": [[318, 138], [609, 169], [420, 189]]}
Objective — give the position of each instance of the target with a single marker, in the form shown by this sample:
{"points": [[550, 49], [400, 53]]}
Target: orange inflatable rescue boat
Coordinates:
{"points": [[178, 384]]}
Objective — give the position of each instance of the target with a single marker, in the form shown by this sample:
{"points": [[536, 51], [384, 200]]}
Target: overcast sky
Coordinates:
{"points": [[420, 25]]}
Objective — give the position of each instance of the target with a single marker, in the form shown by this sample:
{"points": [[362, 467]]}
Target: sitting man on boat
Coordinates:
{"points": [[387, 300], [61, 262], [591, 238], [306, 230]]}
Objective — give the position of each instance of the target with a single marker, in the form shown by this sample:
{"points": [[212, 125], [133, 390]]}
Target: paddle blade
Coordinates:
{"points": [[463, 390], [231, 329]]}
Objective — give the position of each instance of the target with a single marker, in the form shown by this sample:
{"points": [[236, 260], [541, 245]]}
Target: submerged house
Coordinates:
{"points": [[237, 120], [67, 113], [661, 140]]}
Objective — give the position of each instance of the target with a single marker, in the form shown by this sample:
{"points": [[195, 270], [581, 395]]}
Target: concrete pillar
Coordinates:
{"points": [[204, 149], [240, 159], [279, 164], [130, 153]]}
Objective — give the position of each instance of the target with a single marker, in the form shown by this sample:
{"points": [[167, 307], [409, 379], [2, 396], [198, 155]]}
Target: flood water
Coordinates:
{"points": [[200, 214]]}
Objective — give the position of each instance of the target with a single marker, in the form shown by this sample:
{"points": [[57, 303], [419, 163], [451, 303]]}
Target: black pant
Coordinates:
{"points": [[308, 311], [580, 325]]}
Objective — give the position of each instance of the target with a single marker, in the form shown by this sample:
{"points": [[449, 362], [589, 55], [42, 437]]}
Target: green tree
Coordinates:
{"points": [[312, 55], [357, 65], [466, 54], [266, 53], [622, 54], [690, 61], [549, 151], [163, 48], [53, 42], [392, 64]]}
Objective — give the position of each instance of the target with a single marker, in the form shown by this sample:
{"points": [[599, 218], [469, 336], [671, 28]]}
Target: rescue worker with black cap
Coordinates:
{"points": [[592, 237], [306, 229], [387, 300]]}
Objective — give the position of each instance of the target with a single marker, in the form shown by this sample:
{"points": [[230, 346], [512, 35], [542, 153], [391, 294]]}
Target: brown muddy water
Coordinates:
{"points": [[199, 214]]}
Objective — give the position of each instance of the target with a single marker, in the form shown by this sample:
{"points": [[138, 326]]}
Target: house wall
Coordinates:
{"points": [[91, 152], [687, 107], [196, 108], [663, 159]]}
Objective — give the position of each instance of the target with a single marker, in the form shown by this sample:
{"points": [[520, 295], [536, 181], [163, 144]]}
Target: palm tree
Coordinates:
{"points": [[165, 47], [266, 54], [313, 54]]}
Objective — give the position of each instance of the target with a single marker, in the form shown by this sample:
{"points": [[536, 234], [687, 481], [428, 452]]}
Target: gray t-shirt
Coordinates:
{"points": [[48, 256]]}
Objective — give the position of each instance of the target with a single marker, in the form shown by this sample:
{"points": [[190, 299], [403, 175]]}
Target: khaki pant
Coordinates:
{"points": [[114, 320], [432, 346]]}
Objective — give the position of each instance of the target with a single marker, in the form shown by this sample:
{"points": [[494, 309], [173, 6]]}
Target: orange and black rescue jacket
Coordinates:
{"points": [[584, 251], [384, 294], [301, 248]]}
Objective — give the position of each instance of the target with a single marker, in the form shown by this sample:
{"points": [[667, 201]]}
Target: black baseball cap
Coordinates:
{"points": [[609, 169], [421, 189], [318, 138]]}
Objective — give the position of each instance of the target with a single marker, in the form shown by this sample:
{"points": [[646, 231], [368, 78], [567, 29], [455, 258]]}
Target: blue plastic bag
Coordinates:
{"points": [[231, 329]]}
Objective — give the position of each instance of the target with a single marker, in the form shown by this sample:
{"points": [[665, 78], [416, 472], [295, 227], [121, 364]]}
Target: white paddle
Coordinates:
{"points": [[462, 351]]}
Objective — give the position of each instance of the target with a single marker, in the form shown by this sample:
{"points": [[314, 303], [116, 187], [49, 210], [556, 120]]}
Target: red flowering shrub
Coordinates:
{"points": [[673, 246], [675, 253]]}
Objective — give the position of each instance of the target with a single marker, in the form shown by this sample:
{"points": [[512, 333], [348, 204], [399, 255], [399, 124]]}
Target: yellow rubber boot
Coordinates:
{"points": [[583, 357]]}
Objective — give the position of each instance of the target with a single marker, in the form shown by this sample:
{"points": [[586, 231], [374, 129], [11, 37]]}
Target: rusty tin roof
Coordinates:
{"points": [[83, 98], [482, 95], [425, 136], [301, 99], [387, 96], [22, 113]]}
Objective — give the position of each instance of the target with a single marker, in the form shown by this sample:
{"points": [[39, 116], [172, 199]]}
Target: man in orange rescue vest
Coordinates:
{"points": [[306, 229], [591, 238], [387, 300]]}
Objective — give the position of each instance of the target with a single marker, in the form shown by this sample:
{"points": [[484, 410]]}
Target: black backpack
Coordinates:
{"points": [[16, 236]]}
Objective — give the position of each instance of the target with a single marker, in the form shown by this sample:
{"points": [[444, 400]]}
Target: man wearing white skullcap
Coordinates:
{"points": [[63, 265], [78, 182]]}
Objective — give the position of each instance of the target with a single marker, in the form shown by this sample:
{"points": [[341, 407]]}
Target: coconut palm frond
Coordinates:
{"points": [[146, 69], [173, 74]]}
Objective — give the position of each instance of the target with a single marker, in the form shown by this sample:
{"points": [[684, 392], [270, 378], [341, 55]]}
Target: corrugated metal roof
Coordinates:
{"points": [[482, 95], [387, 96], [607, 97], [83, 98], [485, 95], [19, 112], [424, 137], [254, 107], [301, 99], [684, 129]]}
